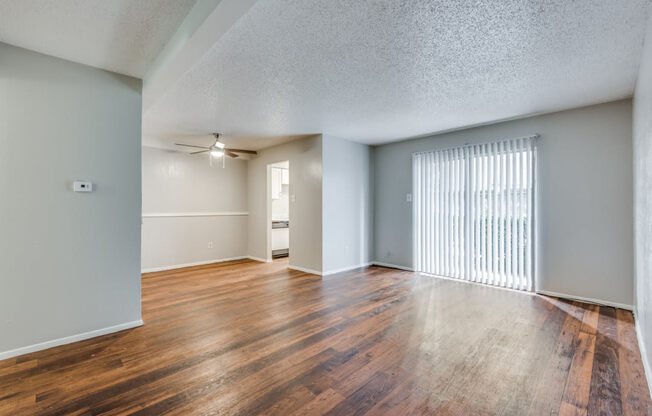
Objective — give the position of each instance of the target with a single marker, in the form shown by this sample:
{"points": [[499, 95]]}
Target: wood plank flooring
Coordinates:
{"points": [[247, 338]]}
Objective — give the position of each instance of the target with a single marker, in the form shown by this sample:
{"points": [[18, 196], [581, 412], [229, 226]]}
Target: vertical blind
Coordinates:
{"points": [[474, 210]]}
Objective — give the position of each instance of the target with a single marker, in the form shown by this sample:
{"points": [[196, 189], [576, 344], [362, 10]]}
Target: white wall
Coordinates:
{"points": [[305, 157], [643, 201], [69, 262], [183, 184], [585, 198], [346, 204]]}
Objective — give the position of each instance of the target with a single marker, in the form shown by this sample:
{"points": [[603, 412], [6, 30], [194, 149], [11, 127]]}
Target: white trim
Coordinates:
{"points": [[303, 269], [346, 269], [643, 351], [392, 266], [260, 259], [586, 300], [194, 214], [197, 263], [67, 340], [268, 211]]}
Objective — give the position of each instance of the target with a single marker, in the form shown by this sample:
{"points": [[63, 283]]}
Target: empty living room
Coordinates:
{"points": [[326, 207]]}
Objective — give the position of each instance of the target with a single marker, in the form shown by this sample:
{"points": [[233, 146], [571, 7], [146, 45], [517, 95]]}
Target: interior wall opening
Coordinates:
{"points": [[278, 224]]}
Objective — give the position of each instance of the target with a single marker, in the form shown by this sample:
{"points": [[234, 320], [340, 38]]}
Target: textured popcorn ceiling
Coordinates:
{"points": [[124, 36], [376, 71]]}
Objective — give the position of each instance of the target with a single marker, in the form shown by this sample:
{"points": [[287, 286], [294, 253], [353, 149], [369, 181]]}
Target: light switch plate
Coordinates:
{"points": [[81, 186], [408, 197]]}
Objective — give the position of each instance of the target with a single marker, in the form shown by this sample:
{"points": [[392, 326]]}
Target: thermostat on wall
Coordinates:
{"points": [[80, 186]]}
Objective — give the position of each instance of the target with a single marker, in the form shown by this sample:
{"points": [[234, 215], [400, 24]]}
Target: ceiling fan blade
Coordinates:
{"points": [[201, 151], [192, 145], [230, 154], [249, 152]]}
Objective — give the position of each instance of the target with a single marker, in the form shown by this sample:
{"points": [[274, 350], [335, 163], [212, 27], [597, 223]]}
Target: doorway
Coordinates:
{"points": [[474, 212], [278, 210]]}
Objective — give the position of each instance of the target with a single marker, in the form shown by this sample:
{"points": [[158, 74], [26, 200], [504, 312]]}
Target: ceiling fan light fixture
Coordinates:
{"points": [[219, 144], [217, 153]]}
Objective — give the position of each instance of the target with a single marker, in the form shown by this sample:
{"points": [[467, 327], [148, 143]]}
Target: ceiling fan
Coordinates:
{"points": [[218, 149]]}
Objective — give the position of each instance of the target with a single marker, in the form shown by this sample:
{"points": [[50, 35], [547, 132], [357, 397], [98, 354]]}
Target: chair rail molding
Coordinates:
{"points": [[195, 214]]}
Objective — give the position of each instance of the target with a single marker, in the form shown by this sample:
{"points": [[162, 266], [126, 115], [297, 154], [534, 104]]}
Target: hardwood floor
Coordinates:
{"points": [[246, 338]]}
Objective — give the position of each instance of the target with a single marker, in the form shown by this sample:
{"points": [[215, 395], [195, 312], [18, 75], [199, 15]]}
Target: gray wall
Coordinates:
{"points": [[585, 198], [182, 184], [347, 204], [69, 262], [643, 200], [305, 158]]}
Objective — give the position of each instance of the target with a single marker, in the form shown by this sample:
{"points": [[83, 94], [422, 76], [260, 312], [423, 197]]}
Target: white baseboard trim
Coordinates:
{"points": [[643, 351], [67, 340], [586, 300], [259, 259], [303, 269], [345, 269], [392, 266], [197, 263]]}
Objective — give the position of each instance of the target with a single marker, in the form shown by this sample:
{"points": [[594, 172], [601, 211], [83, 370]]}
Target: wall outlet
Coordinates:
{"points": [[210, 244]]}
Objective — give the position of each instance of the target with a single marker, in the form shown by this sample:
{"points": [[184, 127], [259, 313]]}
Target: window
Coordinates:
{"points": [[474, 212]]}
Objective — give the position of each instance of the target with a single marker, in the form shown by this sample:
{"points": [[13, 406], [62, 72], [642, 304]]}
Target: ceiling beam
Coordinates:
{"points": [[205, 24]]}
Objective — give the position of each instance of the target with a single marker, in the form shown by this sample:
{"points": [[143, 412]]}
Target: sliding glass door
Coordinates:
{"points": [[474, 212]]}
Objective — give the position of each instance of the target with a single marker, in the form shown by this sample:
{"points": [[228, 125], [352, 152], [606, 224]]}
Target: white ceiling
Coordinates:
{"points": [[376, 71], [123, 36], [367, 70]]}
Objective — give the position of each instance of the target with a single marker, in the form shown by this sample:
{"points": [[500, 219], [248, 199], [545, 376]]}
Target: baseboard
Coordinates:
{"points": [[68, 340], [643, 351], [197, 263], [345, 269], [586, 300], [259, 259], [392, 266], [303, 269]]}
